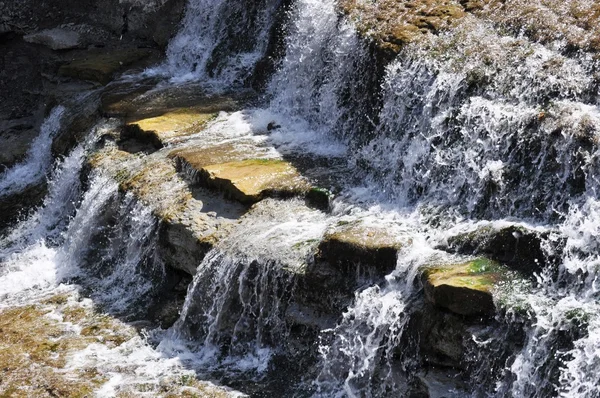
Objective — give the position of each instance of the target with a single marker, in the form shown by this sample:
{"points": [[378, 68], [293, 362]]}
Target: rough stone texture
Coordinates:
{"points": [[56, 39], [464, 288], [248, 181], [359, 248], [392, 24], [575, 23], [152, 22], [102, 65], [516, 246]]}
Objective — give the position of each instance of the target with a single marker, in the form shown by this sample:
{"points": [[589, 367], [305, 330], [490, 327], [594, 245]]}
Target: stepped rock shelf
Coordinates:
{"points": [[214, 185], [350, 198]]}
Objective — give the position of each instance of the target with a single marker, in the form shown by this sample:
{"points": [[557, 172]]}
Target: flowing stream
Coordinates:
{"points": [[455, 140]]}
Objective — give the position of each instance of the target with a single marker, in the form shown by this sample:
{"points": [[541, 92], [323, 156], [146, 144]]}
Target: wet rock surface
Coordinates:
{"points": [[464, 288]]}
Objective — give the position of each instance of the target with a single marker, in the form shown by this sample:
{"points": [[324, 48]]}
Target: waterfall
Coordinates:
{"points": [[220, 42], [236, 304], [469, 129], [38, 159]]}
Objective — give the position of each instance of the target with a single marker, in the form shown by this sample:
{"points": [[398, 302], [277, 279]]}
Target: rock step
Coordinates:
{"points": [[238, 171], [517, 246], [369, 249], [465, 288]]}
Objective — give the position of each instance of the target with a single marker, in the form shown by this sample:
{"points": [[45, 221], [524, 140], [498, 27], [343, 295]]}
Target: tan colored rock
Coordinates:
{"points": [[197, 158], [170, 125], [248, 181], [187, 231], [101, 66], [464, 288]]}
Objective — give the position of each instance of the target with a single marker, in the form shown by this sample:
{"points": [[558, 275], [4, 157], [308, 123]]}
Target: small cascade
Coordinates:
{"points": [[481, 136], [220, 42], [327, 76], [235, 307], [357, 355], [38, 161]]}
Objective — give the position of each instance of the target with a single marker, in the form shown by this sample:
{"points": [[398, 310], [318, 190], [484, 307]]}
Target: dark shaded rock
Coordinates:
{"points": [[102, 65], [181, 248], [319, 198], [515, 246], [13, 205], [16, 137], [56, 39]]}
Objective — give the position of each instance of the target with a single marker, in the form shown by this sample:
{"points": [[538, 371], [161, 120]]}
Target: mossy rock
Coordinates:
{"points": [[249, 181], [101, 66], [464, 288], [353, 246]]}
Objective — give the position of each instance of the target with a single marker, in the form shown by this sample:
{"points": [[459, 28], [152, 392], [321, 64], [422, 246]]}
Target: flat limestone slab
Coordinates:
{"points": [[249, 181], [464, 288], [171, 125]]}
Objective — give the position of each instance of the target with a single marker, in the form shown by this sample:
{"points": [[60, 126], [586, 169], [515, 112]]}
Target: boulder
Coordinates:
{"points": [[56, 39], [516, 246], [464, 288]]}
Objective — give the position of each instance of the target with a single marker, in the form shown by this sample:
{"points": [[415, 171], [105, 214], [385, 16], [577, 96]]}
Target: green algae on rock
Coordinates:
{"points": [[465, 288]]}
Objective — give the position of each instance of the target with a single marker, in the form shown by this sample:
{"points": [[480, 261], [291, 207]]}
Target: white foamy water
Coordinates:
{"points": [[220, 42], [38, 159]]}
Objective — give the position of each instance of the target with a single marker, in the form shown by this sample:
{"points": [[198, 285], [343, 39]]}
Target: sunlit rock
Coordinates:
{"points": [[464, 288]]}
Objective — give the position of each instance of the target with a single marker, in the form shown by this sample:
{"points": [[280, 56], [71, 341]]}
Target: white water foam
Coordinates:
{"points": [[38, 159]]}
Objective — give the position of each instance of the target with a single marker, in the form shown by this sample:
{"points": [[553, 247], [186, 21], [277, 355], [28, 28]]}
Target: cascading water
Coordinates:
{"points": [[237, 302], [472, 128], [220, 42], [38, 160]]}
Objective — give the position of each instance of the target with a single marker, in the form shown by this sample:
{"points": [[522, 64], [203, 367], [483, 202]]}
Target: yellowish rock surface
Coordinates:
{"points": [[174, 124], [464, 288], [248, 181]]}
